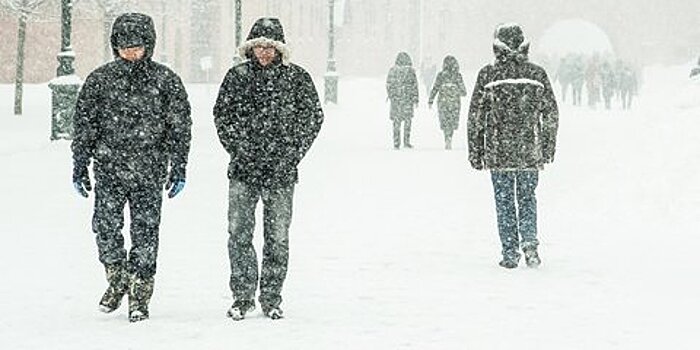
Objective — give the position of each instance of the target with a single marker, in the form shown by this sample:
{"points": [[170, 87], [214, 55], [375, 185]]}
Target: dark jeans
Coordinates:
{"points": [[108, 220], [513, 187], [406, 132], [277, 216]]}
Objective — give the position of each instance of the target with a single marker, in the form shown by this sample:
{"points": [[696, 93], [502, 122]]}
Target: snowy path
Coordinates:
{"points": [[389, 249]]}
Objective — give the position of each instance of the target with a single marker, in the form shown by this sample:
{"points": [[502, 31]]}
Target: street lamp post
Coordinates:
{"points": [[238, 30], [64, 88], [331, 77], [163, 32]]}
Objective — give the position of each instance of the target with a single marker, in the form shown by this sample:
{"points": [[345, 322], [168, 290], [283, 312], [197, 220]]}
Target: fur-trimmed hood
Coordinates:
{"points": [[266, 31], [509, 43]]}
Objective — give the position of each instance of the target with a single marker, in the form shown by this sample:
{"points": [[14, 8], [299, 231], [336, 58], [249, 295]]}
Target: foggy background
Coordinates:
{"points": [[369, 33]]}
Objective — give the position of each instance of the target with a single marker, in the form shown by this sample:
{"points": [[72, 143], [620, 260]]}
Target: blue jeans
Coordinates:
{"points": [[511, 187]]}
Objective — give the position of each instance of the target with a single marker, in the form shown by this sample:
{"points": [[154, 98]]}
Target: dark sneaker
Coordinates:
{"points": [[274, 313], [508, 263], [140, 292], [408, 145], [118, 285], [532, 259], [239, 309]]}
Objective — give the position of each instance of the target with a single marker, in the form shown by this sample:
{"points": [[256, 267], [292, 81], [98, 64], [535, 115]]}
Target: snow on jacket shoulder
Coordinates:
{"points": [[513, 117], [267, 118]]}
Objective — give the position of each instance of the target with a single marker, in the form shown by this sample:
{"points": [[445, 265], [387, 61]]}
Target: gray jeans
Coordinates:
{"points": [[277, 216]]}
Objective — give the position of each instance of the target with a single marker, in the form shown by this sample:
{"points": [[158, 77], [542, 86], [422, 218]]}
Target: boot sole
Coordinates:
{"points": [[106, 309]]}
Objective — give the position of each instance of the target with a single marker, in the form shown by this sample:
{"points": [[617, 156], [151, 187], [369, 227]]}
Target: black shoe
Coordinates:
{"points": [[118, 285], [274, 313], [508, 263], [532, 259], [239, 308], [407, 145]]}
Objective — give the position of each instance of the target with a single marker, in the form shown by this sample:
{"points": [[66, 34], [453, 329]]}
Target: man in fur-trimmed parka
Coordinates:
{"points": [[512, 128], [267, 115]]}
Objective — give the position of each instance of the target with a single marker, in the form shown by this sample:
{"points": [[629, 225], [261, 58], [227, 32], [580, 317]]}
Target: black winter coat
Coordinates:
{"points": [[449, 89], [133, 119], [402, 88], [513, 116], [267, 118]]}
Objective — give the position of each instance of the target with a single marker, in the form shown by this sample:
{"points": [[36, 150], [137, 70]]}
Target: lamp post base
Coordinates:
{"points": [[331, 87], [64, 95]]}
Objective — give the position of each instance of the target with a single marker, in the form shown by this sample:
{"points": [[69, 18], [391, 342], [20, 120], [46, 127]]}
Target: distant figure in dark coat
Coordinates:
{"points": [[627, 83], [593, 81], [512, 128], [267, 115], [402, 91], [608, 80], [133, 121], [695, 71], [577, 78], [449, 89]]}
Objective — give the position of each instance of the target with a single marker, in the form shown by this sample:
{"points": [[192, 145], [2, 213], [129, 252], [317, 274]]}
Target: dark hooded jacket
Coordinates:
{"points": [[402, 88], [449, 89], [267, 117], [133, 118], [513, 115]]}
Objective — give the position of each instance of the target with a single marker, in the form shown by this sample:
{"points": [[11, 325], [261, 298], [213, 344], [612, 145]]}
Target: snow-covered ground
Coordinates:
{"points": [[389, 249]]}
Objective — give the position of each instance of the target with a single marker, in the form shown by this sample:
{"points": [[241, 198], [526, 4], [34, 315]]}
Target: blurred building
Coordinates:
{"points": [[196, 37]]}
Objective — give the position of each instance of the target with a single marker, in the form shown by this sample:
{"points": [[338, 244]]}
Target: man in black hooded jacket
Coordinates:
{"points": [[267, 116], [133, 121], [512, 129]]}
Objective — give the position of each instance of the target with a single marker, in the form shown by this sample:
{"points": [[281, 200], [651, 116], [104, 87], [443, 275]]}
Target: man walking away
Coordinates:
{"points": [[512, 128]]}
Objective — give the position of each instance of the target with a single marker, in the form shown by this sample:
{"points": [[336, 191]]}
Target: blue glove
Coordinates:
{"points": [[81, 180], [175, 187]]}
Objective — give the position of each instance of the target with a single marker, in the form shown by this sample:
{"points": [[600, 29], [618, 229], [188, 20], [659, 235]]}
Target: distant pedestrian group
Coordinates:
{"points": [[604, 80]]}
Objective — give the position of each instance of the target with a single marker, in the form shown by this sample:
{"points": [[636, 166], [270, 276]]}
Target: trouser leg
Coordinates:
{"points": [[277, 218], [397, 132], [407, 133], [503, 186], [145, 203], [526, 183], [241, 216], [108, 221]]}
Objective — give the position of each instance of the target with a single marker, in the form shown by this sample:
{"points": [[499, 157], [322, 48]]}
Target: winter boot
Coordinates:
{"points": [[118, 284], [239, 308], [273, 312], [532, 259], [140, 292], [508, 263]]}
